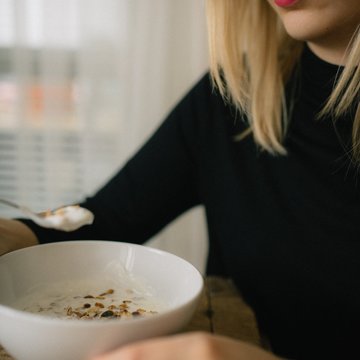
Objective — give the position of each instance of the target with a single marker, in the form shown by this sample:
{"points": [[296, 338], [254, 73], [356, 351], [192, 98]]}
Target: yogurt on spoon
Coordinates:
{"points": [[67, 218]]}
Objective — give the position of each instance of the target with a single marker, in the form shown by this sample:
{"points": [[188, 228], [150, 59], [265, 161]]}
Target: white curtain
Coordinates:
{"points": [[83, 83]]}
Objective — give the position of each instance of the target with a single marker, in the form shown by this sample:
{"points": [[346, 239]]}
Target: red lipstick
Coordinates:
{"points": [[285, 3]]}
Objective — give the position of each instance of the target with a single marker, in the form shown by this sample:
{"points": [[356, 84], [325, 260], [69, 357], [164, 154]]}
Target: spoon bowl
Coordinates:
{"points": [[66, 218]]}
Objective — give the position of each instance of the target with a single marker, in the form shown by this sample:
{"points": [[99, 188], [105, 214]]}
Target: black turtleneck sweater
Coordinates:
{"points": [[285, 228]]}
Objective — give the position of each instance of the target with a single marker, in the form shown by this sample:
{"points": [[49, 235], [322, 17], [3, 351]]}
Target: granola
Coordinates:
{"points": [[123, 303]]}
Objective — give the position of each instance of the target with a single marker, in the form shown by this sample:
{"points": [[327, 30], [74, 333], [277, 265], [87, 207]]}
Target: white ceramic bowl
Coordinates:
{"points": [[29, 336]]}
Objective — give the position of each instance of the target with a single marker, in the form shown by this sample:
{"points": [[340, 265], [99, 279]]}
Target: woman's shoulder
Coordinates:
{"points": [[204, 99], [203, 112]]}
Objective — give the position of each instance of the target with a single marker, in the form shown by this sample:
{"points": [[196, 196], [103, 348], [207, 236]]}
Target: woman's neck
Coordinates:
{"points": [[334, 55], [333, 49]]}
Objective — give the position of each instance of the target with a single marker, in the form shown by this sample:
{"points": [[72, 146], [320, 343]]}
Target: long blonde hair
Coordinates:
{"points": [[251, 58]]}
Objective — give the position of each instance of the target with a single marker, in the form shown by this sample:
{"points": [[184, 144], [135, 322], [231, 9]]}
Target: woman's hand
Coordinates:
{"points": [[15, 235], [190, 346]]}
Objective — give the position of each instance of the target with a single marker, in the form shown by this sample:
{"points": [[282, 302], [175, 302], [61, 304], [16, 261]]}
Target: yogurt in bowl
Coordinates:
{"points": [[82, 300]]}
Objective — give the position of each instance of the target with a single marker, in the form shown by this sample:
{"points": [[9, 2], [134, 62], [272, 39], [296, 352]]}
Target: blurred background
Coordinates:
{"points": [[83, 83]]}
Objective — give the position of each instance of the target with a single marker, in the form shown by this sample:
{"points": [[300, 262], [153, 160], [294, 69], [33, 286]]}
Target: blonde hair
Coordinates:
{"points": [[252, 57]]}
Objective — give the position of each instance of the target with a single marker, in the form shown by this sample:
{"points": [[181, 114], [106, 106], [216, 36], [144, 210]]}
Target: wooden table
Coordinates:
{"points": [[221, 311]]}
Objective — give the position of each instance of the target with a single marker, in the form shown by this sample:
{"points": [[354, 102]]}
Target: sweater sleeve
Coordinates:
{"points": [[154, 187]]}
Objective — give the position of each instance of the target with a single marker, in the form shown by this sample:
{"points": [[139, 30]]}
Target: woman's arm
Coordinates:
{"points": [[157, 184], [15, 235]]}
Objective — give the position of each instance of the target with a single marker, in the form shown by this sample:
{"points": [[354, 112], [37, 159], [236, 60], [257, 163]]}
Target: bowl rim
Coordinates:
{"points": [[48, 320]]}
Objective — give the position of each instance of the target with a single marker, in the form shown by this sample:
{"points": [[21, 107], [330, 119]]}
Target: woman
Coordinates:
{"points": [[272, 153]]}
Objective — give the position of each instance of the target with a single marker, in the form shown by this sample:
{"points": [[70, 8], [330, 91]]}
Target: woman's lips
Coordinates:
{"points": [[285, 3]]}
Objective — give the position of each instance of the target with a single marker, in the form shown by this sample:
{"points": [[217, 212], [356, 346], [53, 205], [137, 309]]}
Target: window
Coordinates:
{"points": [[60, 114]]}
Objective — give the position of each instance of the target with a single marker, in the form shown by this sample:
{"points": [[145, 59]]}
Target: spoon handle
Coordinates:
{"points": [[26, 211], [10, 203]]}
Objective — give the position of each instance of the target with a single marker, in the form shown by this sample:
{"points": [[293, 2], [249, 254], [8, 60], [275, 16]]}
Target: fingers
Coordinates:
{"points": [[15, 235], [190, 346], [156, 349]]}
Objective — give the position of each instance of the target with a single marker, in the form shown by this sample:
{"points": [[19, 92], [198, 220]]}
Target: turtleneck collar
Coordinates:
{"points": [[313, 80], [319, 71], [312, 83]]}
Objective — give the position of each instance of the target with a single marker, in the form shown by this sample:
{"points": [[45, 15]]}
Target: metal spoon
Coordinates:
{"points": [[67, 218]]}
